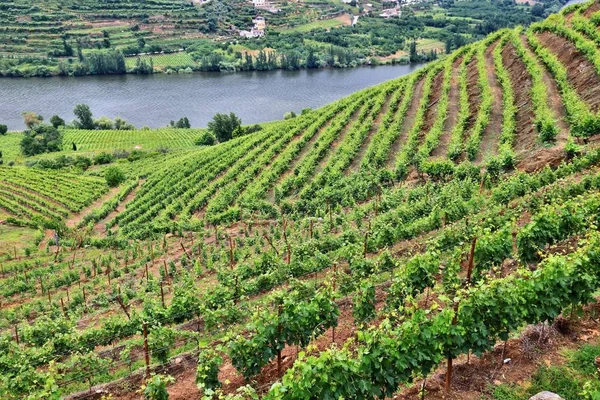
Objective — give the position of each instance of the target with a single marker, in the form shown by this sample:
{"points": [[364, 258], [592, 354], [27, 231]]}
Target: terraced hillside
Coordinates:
{"points": [[434, 236], [506, 102]]}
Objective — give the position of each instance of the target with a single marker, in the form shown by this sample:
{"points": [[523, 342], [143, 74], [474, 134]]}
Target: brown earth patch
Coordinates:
{"points": [[452, 112], [407, 123], [582, 73], [591, 10], [474, 92], [491, 134], [432, 106], [525, 137]]}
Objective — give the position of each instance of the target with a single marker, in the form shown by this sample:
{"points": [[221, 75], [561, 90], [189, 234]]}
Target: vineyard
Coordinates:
{"points": [[432, 237], [163, 61], [129, 140]]}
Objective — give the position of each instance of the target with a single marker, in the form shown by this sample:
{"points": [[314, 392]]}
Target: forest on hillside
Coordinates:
{"points": [[96, 38]]}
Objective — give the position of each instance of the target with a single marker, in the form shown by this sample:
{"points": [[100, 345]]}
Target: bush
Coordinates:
{"points": [[114, 176], [3, 129], [82, 162], [206, 139], [41, 139], [103, 158], [57, 121]]}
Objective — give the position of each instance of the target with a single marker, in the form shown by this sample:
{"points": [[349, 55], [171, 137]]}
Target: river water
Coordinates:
{"points": [[155, 100]]}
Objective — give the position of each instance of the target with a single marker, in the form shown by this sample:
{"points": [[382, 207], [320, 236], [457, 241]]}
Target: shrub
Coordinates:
{"points": [[41, 139], [114, 176], [206, 139], [3, 129], [103, 158]]}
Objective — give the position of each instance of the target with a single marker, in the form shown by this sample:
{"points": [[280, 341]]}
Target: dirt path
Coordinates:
{"points": [[407, 124], [554, 99], [582, 74], [474, 100], [432, 107], [355, 164], [525, 137], [491, 134], [99, 227], [453, 109], [77, 218]]}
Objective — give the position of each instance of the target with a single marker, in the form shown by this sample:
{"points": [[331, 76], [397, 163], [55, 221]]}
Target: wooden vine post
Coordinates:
{"points": [[62, 306], [311, 228], [279, 329], [146, 352], [231, 259], [166, 270], [449, 363], [333, 294], [16, 334], [287, 243], [471, 260], [162, 294]]}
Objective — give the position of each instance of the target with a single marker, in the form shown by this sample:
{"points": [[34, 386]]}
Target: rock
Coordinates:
{"points": [[546, 396]]}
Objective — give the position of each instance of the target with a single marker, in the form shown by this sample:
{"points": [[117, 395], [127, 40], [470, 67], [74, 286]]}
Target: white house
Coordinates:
{"points": [[258, 30]]}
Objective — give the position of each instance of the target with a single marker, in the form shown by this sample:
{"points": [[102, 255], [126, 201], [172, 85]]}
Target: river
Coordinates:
{"points": [[155, 100]]}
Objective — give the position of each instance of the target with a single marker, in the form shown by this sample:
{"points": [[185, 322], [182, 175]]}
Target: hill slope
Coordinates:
{"points": [[388, 235]]}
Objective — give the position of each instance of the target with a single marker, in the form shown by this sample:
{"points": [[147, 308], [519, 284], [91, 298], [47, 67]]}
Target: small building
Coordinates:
{"points": [[390, 13], [258, 30], [260, 23]]}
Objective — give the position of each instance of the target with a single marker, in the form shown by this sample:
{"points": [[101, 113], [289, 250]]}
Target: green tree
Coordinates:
{"points": [[122, 125], [223, 126], [114, 176], [413, 51], [312, 61], [206, 139], [183, 123], [40, 139], [3, 129], [57, 121], [84, 116], [537, 10], [103, 123]]}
